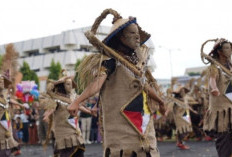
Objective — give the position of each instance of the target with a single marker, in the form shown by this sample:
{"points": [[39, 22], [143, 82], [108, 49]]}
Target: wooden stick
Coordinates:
{"points": [[103, 48], [212, 60]]}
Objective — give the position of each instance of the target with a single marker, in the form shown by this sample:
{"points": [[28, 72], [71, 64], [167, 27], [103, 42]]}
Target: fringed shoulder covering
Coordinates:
{"points": [[89, 69], [46, 102], [6, 137]]}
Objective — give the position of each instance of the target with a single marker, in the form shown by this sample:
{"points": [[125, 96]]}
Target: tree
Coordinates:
{"points": [[54, 70], [35, 77], [194, 74], [26, 71], [28, 74]]}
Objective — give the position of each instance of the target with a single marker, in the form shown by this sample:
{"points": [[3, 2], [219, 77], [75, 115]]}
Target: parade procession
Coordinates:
{"points": [[102, 90]]}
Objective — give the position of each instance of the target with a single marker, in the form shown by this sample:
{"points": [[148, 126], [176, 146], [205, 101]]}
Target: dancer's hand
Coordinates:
{"points": [[94, 112], [215, 92], [73, 112], [74, 106], [194, 111], [162, 109], [46, 115], [166, 113]]}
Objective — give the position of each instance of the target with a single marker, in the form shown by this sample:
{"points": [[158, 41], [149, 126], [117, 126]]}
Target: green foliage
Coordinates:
{"points": [[54, 70], [78, 63], [28, 74], [35, 77], [193, 73], [25, 70]]}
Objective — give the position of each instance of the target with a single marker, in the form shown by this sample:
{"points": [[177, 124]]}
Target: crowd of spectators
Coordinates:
{"points": [[29, 127]]}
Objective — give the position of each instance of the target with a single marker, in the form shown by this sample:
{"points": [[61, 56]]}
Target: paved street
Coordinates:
{"points": [[167, 149]]}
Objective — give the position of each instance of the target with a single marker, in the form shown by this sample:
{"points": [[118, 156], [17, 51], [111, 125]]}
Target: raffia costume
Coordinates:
{"points": [[66, 129], [164, 124], [197, 104], [9, 71], [123, 89], [179, 106], [6, 134], [159, 121], [127, 119], [218, 119], [219, 113], [6, 137], [181, 116]]}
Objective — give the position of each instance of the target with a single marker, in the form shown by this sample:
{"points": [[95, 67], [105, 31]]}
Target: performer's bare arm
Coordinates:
{"points": [[47, 114], [90, 90], [213, 85], [186, 101], [14, 102], [167, 112], [92, 111], [192, 110], [155, 97]]}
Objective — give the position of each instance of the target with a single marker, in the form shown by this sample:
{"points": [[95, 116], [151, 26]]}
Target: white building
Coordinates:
{"points": [[195, 70], [66, 47], [164, 84]]}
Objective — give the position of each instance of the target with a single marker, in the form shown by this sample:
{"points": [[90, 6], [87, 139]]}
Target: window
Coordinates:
{"points": [[32, 53], [54, 49]]}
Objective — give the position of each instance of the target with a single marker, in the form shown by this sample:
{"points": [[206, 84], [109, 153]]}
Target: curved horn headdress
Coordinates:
{"points": [[210, 59], [102, 17], [204, 55], [118, 24], [103, 48]]}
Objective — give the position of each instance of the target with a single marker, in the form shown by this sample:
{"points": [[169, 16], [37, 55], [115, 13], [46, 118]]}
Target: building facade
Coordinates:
{"points": [[65, 48]]}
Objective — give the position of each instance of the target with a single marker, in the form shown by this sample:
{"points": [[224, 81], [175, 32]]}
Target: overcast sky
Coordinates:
{"points": [[177, 25]]}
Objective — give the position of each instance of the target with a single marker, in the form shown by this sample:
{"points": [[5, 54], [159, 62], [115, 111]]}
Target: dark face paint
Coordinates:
{"points": [[130, 36]]}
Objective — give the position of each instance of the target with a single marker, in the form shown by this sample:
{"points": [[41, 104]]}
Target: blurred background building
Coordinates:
{"points": [[65, 48]]}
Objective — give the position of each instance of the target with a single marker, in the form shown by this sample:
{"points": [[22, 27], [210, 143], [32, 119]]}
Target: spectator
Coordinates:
{"points": [[94, 123], [33, 134], [24, 119], [17, 114], [86, 123], [16, 150], [43, 126], [18, 126]]}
